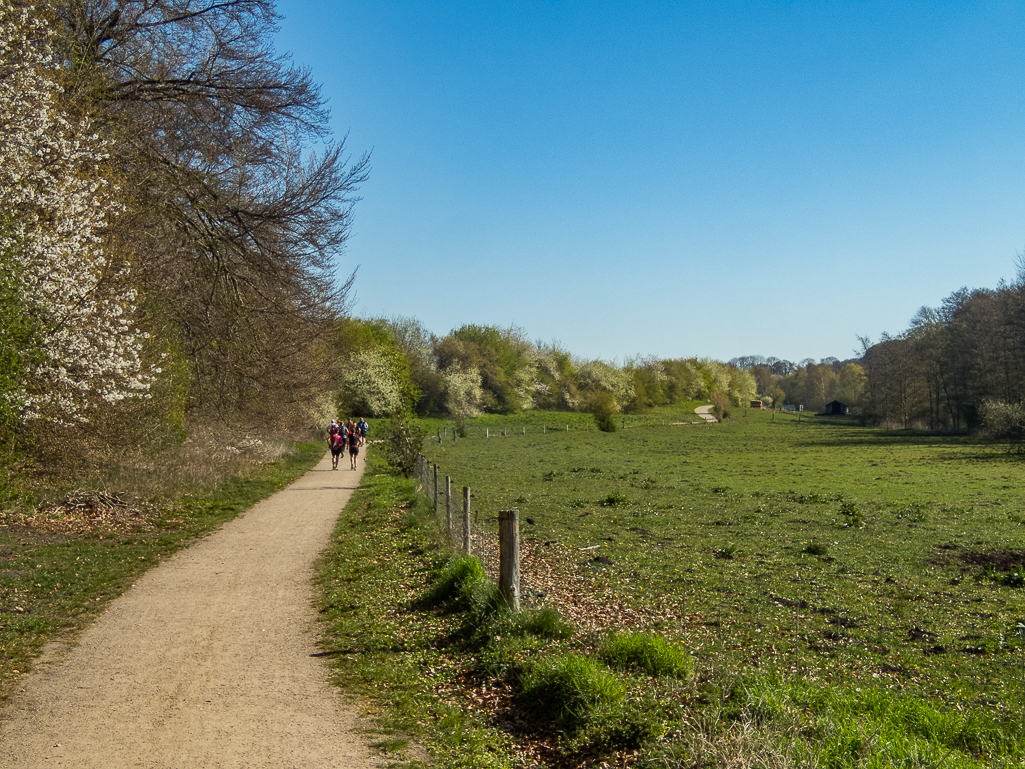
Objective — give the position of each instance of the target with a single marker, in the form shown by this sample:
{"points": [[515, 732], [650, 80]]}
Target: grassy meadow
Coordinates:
{"points": [[870, 578]]}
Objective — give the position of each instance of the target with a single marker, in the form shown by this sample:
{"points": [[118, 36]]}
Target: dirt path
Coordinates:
{"points": [[705, 412], [208, 661]]}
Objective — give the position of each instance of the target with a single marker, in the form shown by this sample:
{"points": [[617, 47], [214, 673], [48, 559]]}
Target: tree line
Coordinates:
{"points": [[959, 366], [398, 365]]}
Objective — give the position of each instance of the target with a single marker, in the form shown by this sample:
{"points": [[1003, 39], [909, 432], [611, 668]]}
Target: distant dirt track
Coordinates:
{"points": [[705, 412], [208, 661]]}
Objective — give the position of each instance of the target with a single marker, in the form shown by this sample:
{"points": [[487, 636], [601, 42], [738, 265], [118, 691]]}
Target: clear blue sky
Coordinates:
{"points": [[675, 178]]}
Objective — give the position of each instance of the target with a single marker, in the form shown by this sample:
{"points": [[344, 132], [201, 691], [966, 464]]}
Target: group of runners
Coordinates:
{"points": [[346, 435]]}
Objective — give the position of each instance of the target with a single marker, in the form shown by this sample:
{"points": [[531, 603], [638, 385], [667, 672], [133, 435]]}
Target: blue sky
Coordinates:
{"points": [[676, 179]]}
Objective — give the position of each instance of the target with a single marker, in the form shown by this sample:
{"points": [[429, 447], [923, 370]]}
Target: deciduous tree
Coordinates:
{"points": [[70, 341], [235, 229]]}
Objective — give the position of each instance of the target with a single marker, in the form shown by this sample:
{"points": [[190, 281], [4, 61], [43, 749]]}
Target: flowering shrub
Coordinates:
{"points": [[600, 376], [464, 397], [84, 348], [404, 442], [369, 385], [1004, 422]]}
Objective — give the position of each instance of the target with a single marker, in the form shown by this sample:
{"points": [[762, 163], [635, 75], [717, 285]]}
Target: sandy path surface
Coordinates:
{"points": [[208, 661], [705, 412]]}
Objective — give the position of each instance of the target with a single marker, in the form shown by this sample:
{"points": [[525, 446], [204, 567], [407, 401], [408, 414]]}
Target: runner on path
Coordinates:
{"points": [[353, 446], [208, 660], [336, 442]]}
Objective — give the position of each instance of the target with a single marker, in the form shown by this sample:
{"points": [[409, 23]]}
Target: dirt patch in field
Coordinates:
{"points": [[997, 559]]}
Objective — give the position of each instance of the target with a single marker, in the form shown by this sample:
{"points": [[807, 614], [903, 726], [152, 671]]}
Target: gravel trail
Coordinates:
{"points": [[209, 660], [705, 412]]}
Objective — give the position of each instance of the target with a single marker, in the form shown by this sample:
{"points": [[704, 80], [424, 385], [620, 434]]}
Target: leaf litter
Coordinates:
{"points": [[86, 511]]}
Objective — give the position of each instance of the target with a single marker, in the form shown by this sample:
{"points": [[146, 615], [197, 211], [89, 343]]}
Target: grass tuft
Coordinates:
{"points": [[569, 691], [455, 584], [647, 653], [542, 623]]}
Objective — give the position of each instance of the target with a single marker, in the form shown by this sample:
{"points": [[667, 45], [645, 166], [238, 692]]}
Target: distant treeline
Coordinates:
{"points": [[806, 384], [958, 367], [399, 364], [396, 364]]}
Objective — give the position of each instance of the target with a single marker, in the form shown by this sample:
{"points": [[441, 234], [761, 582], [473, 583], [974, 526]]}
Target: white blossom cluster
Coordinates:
{"points": [[464, 396], [370, 374], [545, 362], [654, 368], [738, 384], [598, 375], [54, 203]]}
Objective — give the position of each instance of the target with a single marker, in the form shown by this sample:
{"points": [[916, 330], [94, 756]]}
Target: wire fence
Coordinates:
{"points": [[463, 527], [482, 537], [454, 433]]}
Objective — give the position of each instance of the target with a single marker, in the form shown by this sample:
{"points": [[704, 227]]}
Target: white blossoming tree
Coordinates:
{"points": [[75, 345], [369, 385], [464, 396], [598, 376]]}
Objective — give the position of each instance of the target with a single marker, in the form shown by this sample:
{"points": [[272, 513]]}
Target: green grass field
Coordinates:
{"points": [[812, 552]]}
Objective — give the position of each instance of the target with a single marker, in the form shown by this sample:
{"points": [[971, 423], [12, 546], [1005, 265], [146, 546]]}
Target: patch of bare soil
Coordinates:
{"points": [[85, 511], [552, 574], [997, 559], [209, 660]]}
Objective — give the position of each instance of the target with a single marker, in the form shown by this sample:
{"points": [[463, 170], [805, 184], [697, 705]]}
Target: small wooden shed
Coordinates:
{"points": [[837, 409], [756, 404]]}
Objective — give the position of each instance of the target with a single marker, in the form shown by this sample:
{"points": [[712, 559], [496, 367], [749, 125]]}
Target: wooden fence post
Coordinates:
{"points": [[466, 520], [509, 556], [439, 435], [448, 507], [435, 491]]}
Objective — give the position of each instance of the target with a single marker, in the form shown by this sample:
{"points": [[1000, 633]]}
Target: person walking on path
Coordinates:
{"points": [[336, 442], [353, 446], [209, 660]]}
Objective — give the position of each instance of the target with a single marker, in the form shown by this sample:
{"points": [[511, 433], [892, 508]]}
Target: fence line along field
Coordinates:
{"points": [[814, 549]]}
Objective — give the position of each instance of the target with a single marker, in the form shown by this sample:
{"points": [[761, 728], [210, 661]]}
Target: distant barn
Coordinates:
{"points": [[837, 409]]}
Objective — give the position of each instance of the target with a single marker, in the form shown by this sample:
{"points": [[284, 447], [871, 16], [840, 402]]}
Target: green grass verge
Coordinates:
{"points": [[52, 585], [393, 605]]}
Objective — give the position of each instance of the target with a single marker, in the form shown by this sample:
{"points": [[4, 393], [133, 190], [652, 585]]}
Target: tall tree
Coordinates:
{"points": [[69, 341], [235, 230]]}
